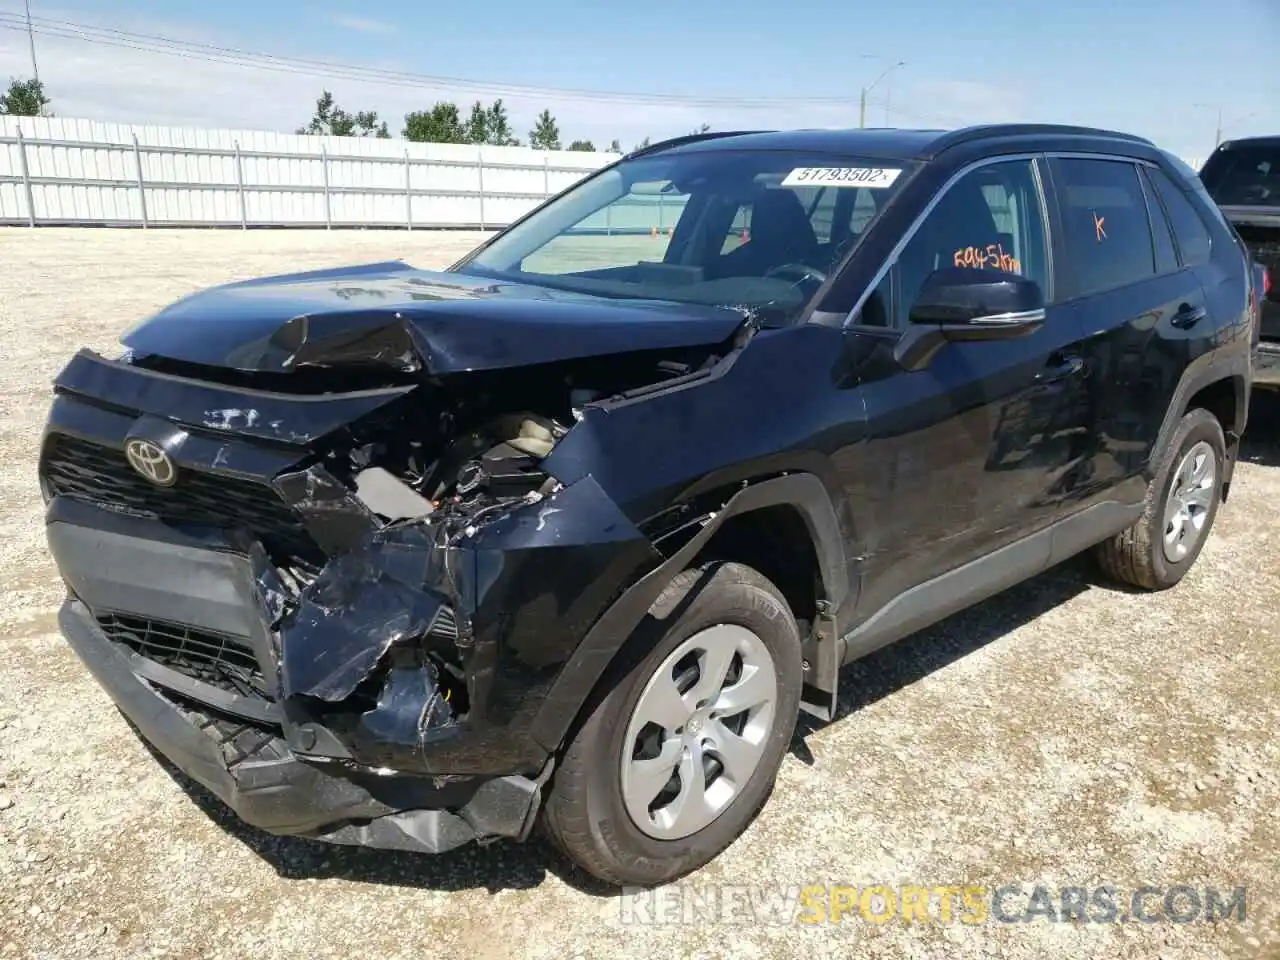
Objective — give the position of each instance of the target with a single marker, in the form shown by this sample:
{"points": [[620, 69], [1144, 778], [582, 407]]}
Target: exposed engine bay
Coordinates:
{"points": [[468, 443], [383, 643]]}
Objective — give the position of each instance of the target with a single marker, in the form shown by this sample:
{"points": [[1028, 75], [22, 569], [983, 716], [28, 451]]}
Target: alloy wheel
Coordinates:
{"points": [[1191, 497], [698, 731]]}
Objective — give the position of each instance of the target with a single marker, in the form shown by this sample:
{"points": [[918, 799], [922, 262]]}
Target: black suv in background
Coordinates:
{"points": [[1243, 178], [570, 532]]}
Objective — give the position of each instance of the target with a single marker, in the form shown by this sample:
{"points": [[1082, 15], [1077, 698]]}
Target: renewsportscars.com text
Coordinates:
{"points": [[932, 903]]}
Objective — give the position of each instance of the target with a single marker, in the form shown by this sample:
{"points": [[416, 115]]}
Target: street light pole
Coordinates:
{"points": [[31, 38], [862, 101], [1222, 127]]}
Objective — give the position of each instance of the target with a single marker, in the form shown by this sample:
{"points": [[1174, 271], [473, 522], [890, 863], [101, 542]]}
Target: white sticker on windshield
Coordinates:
{"points": [[876, 178]]}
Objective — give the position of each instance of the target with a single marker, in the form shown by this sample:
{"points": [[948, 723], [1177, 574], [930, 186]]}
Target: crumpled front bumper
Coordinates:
{"points": [[274, 790], [248, 750], [430, 664], [352, 743]]}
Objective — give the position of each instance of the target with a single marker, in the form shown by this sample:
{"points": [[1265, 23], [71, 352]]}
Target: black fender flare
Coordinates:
{"points": [[1235, 366], [605, 639]]}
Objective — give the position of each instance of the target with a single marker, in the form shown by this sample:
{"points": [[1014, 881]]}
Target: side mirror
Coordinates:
{"points": [[966, 304], [988, 300]]}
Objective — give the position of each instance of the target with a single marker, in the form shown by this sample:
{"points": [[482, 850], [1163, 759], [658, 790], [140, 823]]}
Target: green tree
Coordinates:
{"points": [[441, 124], [705, 128], [24, 98], [641, 145], [368, 124], [615, 146], [478, 124], [490, 125], [546, 134], [499, 127], [331, 120], [585, 146]]}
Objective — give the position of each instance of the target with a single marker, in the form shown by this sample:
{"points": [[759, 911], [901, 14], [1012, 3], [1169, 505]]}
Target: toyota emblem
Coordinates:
{"points": [[150, 461]]}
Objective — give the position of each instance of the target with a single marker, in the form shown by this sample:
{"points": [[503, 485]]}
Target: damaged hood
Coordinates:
{"points": [[391, 316]]}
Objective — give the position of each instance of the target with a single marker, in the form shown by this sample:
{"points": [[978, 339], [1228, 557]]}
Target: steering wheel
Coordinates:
{"points": [[801, 271]]}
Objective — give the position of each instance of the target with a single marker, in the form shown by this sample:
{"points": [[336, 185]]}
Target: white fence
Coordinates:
{"points": [[81, 172], [71, 172]]}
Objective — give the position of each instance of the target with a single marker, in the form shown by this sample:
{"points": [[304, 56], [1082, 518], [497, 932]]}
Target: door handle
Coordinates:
{"points": [[1060, 368], [1188, 316]]}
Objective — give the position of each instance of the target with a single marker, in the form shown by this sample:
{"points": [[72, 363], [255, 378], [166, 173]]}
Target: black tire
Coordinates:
{"points": [[1136, 557], [584, 813]]}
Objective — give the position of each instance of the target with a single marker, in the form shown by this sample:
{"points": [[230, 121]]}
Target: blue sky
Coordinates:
{"points": [[1159, 69]]}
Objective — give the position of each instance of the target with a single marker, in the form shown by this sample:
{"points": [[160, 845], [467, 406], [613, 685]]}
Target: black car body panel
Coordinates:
{"points": [[390, 316], [271, 789], [400, 524]]}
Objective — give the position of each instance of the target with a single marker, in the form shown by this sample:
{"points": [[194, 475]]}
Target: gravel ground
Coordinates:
{"points": [[1064, 733]]}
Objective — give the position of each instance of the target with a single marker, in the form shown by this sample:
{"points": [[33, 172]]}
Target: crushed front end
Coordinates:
{"points": [[339, 608]]}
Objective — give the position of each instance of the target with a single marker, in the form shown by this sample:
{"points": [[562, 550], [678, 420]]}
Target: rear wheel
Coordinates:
{"points": [[1182, 502], [680, 751]]}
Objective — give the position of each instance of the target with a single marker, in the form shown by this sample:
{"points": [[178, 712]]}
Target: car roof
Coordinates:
{"points": [[1272, 140], [873, 143], [879, 143]]}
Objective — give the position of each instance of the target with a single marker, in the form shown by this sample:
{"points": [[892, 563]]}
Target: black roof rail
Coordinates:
{"points": [[690, 138], [989, 131]]}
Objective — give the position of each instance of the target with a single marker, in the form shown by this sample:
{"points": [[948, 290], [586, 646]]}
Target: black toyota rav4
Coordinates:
{"points": [[568, 534]]}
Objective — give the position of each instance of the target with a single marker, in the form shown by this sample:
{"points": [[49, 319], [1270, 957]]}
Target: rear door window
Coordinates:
{"points": [[1105, 224]]}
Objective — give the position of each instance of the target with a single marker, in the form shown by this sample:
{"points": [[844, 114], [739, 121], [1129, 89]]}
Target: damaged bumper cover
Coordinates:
{"points": [[273, 789], [397, 692], [430, 646], [354, 736]]}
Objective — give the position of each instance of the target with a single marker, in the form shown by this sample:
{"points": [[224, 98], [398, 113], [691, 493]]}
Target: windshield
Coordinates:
{"points": [[730, 228], [1246, 176]]}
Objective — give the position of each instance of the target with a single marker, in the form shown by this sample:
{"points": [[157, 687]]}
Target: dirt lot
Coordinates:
{"points": [[1067, 733]]}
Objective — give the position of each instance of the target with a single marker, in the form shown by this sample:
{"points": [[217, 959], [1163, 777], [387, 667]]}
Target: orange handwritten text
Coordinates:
{"points": [[991, 257]]}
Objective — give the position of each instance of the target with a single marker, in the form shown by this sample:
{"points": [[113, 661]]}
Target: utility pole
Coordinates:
{"points": [[31, 38], [1222, 128], [862, 100]]}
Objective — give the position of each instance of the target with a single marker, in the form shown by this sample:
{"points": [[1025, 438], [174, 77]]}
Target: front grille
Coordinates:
{"points": [[88, 471], [239, 740], [219, 660]]}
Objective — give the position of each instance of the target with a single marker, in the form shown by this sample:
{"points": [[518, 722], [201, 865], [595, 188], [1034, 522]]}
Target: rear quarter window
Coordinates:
{"points": [[1189, 231]]}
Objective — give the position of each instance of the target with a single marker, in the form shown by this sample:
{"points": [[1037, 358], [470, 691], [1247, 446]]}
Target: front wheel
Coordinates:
{"points": [[679, 753], [1182, 502]]}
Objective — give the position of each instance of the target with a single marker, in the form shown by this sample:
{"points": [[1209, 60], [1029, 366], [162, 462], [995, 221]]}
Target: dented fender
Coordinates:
{"points": [[607, 635], [507, 596]]}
